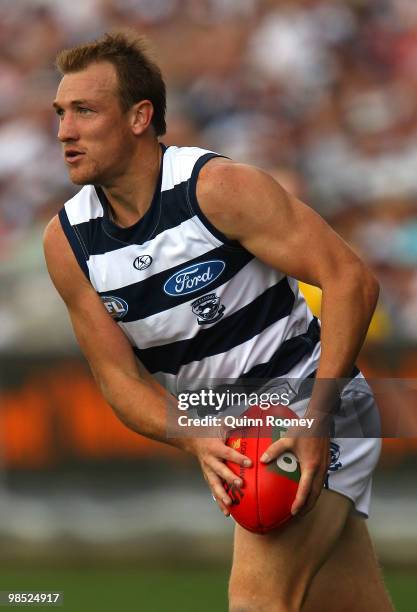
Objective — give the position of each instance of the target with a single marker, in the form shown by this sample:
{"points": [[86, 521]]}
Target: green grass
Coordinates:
{"points": [[153, 590], [127, 590], [402, 586]]}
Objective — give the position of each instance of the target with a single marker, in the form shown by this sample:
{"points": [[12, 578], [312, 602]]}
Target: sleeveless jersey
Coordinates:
{"points": [[193, 304]]}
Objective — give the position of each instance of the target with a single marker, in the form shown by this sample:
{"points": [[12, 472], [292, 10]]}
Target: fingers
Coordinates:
{"points": [[304, 490], [313, 469], [224, 472], [230, 454], [216, 472], [315, 473], [316, 487], [220, 450], [217, 488]]}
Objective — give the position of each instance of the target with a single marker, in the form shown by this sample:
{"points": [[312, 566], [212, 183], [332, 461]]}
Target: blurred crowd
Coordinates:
{"points": [[320, 93]]}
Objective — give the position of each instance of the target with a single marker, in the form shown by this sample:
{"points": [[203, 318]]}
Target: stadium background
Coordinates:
{"points": [[322, 94]]}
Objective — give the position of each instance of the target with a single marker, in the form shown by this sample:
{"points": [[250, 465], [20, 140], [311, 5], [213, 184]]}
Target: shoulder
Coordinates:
{"points": [[53, 236], [232, 194], [222, 175], [57, 250], [62, 266]]}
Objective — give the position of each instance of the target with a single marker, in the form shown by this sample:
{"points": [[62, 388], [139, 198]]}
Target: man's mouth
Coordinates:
{"points": [[72, 155]]}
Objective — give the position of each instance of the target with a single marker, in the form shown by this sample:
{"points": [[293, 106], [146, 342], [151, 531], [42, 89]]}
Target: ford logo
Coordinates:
{"points": [[193, 278]]}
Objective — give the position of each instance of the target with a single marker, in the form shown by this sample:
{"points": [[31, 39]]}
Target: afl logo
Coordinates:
{"points": [[115, 306], [193, 278], [142, 262]]}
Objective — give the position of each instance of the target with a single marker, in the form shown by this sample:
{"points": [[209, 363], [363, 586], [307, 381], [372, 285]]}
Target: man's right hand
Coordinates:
{"points": [[212, 453]]}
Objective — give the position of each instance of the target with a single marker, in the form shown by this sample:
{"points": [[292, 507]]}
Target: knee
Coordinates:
{"points": [[255, 601], [239, 607], [245, 600], [243, 605], [264, 593], [252, 606]]}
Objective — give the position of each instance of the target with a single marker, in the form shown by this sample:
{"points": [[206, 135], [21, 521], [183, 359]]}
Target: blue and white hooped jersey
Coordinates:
{"points": [[194, 304]]}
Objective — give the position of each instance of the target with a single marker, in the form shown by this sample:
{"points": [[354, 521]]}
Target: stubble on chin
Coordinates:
{"points": [[84, 180], [91, 177]]}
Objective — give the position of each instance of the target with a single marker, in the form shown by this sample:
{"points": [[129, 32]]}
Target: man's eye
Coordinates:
{"points": [[83, 110], [59, 112]]}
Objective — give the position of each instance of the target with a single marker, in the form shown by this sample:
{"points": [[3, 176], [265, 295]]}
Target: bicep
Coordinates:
{"points": [[248, 205], [297, 241]]}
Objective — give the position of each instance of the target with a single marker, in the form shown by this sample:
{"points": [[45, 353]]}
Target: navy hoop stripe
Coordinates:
{"points": [[76, 242], [268, 308]]}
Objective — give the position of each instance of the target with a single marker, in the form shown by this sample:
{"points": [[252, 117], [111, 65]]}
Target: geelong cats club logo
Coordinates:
{"points": [[335, 464], [193, 278], [208, 309]]}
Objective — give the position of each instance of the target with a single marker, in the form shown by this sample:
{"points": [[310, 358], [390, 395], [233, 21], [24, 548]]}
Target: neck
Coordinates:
{"points": [[131, 195]]}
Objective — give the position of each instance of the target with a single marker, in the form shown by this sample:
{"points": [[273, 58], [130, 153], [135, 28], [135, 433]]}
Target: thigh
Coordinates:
{"points": [[273, 571], [350, 576]]}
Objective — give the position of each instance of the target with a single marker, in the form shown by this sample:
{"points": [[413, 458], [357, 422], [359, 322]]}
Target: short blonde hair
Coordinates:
{"points": [[139, 76]]}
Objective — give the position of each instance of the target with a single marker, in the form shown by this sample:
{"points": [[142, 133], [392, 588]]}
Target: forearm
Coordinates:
{"points": [[347, 308], [141, 406]]}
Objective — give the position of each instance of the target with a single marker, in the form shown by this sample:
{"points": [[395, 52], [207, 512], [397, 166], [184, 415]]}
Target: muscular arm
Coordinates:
{"points": [[138, 400], [105, 346], [247, 205]]}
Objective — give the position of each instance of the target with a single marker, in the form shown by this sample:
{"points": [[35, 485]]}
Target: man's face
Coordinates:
{"points": [[94, 132]]}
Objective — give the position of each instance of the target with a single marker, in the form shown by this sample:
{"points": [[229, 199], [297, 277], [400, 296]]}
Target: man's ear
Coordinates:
{"points": [[141, 115]]}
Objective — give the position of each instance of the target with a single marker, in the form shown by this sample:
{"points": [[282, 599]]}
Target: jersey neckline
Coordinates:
{"points": [[144, 228]]}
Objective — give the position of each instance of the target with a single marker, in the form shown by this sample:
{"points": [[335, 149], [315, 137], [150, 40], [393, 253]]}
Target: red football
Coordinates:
{"points": [[264, 502]]}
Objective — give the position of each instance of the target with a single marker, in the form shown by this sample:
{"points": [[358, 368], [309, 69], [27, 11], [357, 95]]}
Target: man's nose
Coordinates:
{"points": [[67, 128]]}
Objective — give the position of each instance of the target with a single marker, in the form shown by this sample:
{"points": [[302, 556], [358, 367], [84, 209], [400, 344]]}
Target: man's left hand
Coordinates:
{"points": [[313, 453]]}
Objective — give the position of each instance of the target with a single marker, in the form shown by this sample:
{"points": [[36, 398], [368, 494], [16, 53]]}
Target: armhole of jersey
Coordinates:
{"points": [[195, 206], [75, 240]]}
